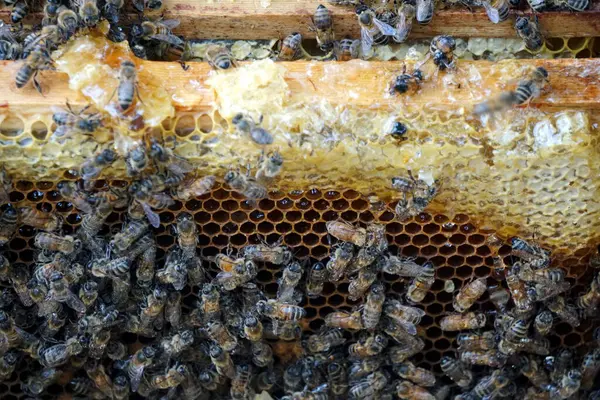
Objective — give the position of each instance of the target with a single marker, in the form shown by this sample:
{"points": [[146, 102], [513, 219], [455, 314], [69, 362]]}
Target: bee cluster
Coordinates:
{"points": [[68, 312]]}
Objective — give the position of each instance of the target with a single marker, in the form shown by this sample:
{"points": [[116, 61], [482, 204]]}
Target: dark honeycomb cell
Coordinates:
{"points": [[227, 222]]}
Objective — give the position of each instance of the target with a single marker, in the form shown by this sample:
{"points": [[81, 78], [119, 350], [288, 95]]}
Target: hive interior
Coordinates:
{"points": [[226, 221]]}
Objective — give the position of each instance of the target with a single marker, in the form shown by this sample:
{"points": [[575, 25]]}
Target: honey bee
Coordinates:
{"points": [[373, 306], [173, 378], [499, 297], [59, 291], [140, 360], [545, 276], [153, 306], [54, 322], [337, 379], [292, 377], [46, 221], [589, 301], [92, 168], [491, 358], [19, 11], [409, 391], [456, 371], [339, 260], [459, 322], [280, 311], [363, 367], [8, 224], [406, 316], [368, 347], [115, 350], [219, 333], [489, 385], [98, 343], [132, 231], [120, 388], [421, 195], [424, 11], [193, 188], [469, 294], [323, 25], [240, 274], [419, 287], [88, 12], [569, 385], [8, 362], [136, 159], [50, 14], [80, 199], [575, 5], [174, 271], [369, 387], [270, 168], [526, 91], [372, 30], [316, 278], [128, 86], [241, 381], [324, 341], [85, 387], [419, 376], [345, 320], [111, 10], [219, 57], [262, 354], [210, 302], [5, 186], [346, 49], [406, 14], [145, 267], [518, 291], [70, 122], [177, 344], [39, 381], [589, 368], [274, 254], [547, 290], [59, 354], [253, 328], [245, 185], [401, 84], [361, 283], [245, 125], [167, 161], [347, 233], [144, 194], [470, 341], [288, 282], [37, 60], [528, 29], [222, 361], [564, 311], [291, 47], [114, 269], [537, 5]]}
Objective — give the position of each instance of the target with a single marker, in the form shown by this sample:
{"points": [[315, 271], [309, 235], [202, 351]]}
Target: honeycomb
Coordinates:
{"points": [[456, 246], [491, 49], [515, 174]]}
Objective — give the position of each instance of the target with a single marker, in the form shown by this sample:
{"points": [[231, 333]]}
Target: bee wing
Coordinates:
{"points": [[491, 12], [384, 28], [170, 23], [403, 28], [153, 217], [171, 39], [135, 376], [180, 166], [75, 303], [366, 40], [424, 9]]}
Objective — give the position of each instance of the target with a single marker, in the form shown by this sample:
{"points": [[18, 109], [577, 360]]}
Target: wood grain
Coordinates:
{"points": [[573, 82], [248, 19]]}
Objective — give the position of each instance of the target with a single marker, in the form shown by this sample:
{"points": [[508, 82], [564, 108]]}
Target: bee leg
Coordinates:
{"points": [[184, 66], [36, 84], [137, 94]]}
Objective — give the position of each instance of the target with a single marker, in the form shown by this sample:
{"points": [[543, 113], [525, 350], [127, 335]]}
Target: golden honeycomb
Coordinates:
{"points": [[226, 221]]}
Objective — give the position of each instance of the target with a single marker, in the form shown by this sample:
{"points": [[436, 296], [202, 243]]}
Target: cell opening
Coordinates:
{"points": [[12, 126], [185, 125]]}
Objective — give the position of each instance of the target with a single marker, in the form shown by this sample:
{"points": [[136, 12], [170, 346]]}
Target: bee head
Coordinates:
{"points": [[398, 130]]}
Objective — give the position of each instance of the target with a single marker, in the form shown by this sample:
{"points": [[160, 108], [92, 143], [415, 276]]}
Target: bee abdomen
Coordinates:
{"points": [[23, 76]]}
